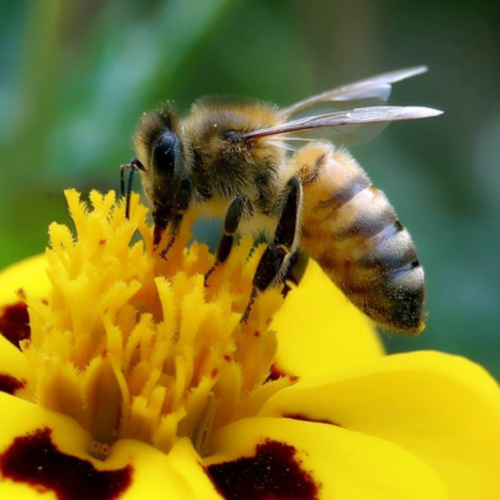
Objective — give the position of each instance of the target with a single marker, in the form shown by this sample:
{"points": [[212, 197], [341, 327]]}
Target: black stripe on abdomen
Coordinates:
{"points": [[393, 250], [353, 186]]}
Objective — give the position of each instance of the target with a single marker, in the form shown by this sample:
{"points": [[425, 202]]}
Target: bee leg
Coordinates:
{"points": [[276, 257], [297, 265], [240, 207], [182, 201], [126, 191], [162, 215]]}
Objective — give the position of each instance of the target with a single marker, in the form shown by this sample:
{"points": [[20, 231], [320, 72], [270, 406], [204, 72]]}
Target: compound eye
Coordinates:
{"points": [[166, 155]]}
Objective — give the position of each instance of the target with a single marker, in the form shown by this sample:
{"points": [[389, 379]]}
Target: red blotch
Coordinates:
{"points": [[306, 418], [10, 384], [277, 373], [35, 460], [15, 323], [272, 474]]}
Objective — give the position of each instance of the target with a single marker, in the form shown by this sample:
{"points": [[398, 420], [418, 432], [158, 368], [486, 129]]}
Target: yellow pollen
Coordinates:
{"points": [[133, 345]]}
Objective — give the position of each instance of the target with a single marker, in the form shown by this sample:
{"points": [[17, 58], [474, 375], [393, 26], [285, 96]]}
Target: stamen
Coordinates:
{"points": [[108, 402], [131, 345]]}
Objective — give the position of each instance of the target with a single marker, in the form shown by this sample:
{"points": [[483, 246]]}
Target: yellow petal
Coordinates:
{"points": [[29, 274], [56, 445], [307, 460], [13, 366], [319, 330], [18, 280], [442, 408], [156, 476], [187, 463]]}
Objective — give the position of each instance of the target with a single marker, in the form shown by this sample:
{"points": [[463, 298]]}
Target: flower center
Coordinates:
{"points": [[132, 345]]}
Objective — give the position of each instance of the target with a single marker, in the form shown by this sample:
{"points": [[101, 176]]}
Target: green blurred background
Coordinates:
{"points": [[76, 75]]}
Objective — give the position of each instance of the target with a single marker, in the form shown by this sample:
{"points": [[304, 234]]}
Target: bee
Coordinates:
{"points": [[236, 160]]}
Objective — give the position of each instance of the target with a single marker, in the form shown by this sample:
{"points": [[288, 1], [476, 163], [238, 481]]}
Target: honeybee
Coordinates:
{"points": [[236, 160]]}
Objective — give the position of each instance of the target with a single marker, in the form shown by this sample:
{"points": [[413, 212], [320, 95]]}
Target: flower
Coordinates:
{"points": [[131, 378]]}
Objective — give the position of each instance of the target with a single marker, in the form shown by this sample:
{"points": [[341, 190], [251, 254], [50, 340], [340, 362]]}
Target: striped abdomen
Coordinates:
{"points": [[350, 228]]}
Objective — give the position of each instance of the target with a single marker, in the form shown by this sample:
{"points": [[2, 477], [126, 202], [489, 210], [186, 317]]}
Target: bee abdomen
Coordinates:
{"points": [[386, 281], [367, 252], [353, 232]]}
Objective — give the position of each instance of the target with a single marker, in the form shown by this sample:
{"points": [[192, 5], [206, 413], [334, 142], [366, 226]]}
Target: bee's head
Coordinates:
{"points": [[159, 149]]}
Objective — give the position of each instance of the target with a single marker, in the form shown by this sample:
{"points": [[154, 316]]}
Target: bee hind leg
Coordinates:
{"points": [[297, 265], [240, 208], [278, 256]]}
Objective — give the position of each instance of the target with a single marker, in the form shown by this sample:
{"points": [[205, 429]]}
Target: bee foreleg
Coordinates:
{"points": [[182, 201], [277, 256], [239, 208], [126, 191]]}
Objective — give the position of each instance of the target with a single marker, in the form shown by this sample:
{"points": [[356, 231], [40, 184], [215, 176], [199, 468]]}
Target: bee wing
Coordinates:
{"points": [[353, 117], [373, 90]]}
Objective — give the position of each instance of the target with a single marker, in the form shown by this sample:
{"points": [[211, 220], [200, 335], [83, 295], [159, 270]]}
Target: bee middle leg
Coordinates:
{"points": [[278, 256], [240, 208]]}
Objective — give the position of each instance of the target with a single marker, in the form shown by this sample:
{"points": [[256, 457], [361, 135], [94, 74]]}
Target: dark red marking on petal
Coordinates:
{"points": [[272, 474], [277, 373], [35, 460], [15, 323], [10, 384], [307, 418]]}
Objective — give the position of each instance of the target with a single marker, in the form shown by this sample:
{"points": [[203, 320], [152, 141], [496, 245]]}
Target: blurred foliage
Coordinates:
{"points": [[75, 76]]}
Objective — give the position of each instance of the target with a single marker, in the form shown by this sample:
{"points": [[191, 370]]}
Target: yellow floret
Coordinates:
{"points": [[132, 345]]}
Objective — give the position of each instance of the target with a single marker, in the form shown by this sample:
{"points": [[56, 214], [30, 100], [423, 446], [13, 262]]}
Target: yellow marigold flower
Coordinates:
{"points": [[124, 376]]}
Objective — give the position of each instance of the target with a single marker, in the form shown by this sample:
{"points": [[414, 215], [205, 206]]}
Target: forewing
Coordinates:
{"points": [[341, 119], [373, 90]]}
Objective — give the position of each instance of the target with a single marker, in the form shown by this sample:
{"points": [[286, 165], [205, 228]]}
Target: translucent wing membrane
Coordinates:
{"points": [[374, 90], [356, 116], [335, 114]]}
